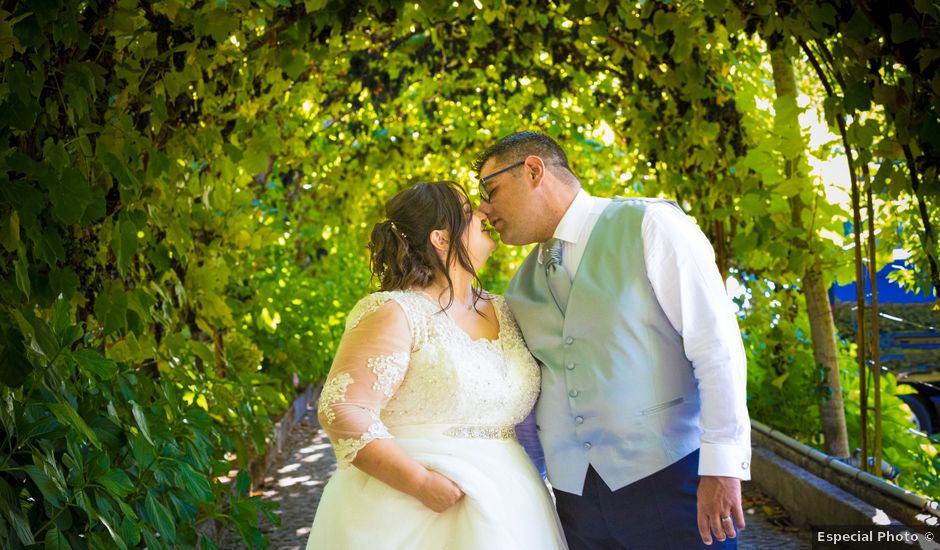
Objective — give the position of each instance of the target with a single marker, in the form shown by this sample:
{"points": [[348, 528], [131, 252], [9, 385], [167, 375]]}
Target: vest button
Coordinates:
{"points": [[579, 420], [570, 365], [587, 446], [573, 393], [569, 340]]}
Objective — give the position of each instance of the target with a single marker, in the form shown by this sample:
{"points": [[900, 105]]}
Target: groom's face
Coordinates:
{"points": [[509, 201]]}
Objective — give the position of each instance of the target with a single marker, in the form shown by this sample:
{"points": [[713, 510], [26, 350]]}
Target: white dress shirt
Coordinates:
{"points": [[680, 265]]}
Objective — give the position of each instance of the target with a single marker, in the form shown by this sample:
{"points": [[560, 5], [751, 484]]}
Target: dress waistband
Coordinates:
{"points": [[462, 431]]}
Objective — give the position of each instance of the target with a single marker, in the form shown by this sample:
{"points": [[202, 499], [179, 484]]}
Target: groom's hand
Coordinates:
{"points": [[719, 507]]}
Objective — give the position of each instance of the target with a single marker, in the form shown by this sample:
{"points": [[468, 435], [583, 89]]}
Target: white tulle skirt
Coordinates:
{"points": [[506, 504]]}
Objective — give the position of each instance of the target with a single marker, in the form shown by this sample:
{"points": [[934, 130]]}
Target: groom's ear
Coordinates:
{"points": [[534, 169], [440, 240]]}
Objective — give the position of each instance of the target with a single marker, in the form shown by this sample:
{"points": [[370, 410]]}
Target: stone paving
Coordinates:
{"points": [[296, 483], [768, 525]]}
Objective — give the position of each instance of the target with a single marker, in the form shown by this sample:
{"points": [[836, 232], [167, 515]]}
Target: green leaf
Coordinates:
{"points": [[206, 543], [7, 412], [143, 452], [14, 366], [716, 7], [930, 132], [858, 96], [664, 21], [195, 482], [158, 108], [152, 541], [124, 243], [70, 417], [160, 516], [11, 510], [111, 309], [21, 525], [10, 230], [44, 341], [61, 316], [55, 540], [903, 28], [115, 536], [159, 164], [90, 360], [19, 115], [48, 488], [50, 247], [117, 483], [823, 13], [130, 531], [85, 502], [119, 170], [75, 453], [292, 63], [858, 26], [70, 195], [796, 261], [97, 206], [8, 42], [243, 482], [141, 420], [21, 270]]}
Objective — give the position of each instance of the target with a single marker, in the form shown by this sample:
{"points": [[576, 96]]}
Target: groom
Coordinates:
{"points": [[642, 414]]}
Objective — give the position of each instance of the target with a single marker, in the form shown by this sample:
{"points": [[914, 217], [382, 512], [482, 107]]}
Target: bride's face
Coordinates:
{"points": [[477, 239]]}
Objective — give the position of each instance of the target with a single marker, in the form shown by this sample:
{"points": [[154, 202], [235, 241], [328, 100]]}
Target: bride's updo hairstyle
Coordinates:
{"points": [[402, 255]]}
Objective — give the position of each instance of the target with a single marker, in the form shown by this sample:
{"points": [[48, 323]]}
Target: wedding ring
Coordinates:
{"points": [[726, 518]]}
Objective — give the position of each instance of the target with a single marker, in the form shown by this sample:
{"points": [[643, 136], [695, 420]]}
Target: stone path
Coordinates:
{"points": [[297, 481], [768, 525]]}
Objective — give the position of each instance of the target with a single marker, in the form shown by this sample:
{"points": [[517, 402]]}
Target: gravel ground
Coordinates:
{"points": [[295, 484], [768, 525], [297, 481]]}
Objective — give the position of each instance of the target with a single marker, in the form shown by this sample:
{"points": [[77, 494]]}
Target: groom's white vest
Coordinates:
{"points": [[617, 389]]}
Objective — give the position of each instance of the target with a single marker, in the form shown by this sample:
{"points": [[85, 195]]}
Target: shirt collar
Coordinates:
{"points": [[572, 223]]}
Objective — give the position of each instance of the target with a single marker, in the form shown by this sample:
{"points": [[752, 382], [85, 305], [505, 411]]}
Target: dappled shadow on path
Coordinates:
{"points": [[295, 483]]}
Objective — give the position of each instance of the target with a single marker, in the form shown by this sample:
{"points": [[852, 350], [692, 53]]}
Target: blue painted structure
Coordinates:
{"points": [[925, 378]]}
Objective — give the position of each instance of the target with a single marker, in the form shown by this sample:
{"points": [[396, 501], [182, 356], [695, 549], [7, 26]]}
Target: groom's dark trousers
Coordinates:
{"points": [[656, 512]]}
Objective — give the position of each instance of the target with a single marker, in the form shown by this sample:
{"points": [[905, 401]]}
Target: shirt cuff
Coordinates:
{"points": [[724, 460]]}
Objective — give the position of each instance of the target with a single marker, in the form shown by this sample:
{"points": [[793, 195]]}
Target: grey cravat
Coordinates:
{"points": [[559, 283]]}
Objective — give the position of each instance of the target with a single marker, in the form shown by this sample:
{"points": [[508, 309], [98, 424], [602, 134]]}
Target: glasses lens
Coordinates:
{"points": [[484, 192]]}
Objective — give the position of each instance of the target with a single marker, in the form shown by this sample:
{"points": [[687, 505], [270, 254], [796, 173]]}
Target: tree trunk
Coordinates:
{"points": [[825, 351], [831, 410]]}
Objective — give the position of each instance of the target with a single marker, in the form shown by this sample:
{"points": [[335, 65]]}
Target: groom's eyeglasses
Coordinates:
{"points": [[484, 190]]}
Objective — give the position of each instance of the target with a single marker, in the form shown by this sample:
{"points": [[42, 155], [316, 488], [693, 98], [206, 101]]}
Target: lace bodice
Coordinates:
{"points": [[402, 361]]}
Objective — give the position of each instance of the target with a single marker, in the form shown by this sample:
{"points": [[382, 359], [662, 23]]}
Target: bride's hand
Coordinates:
{"points": [[437, 492]]}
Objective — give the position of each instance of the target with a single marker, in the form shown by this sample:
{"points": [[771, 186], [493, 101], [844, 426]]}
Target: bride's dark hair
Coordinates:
{"points": [[402, 255]]}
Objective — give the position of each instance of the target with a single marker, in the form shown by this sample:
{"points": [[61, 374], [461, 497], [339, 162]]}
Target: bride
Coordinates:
{"points": [[428, 382]]}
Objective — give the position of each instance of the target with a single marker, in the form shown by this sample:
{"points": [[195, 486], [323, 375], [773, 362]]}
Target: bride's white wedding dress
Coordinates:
{"points": [[451, 403]]}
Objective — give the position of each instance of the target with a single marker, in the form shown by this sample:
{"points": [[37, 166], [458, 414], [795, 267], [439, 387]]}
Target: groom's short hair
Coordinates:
{"points": [[516, 147]]}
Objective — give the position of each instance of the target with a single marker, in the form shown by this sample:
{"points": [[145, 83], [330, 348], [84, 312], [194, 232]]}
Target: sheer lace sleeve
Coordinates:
{"points": [[370, 364]]}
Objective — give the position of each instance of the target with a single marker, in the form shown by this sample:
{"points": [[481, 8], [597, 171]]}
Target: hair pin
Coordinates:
{"points": [[395, 229]]}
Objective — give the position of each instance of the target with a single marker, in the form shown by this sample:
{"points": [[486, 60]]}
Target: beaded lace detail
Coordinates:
{"points": [[482, 432], [428, 372], [334, 391], [347, 449], [389, 370]]}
